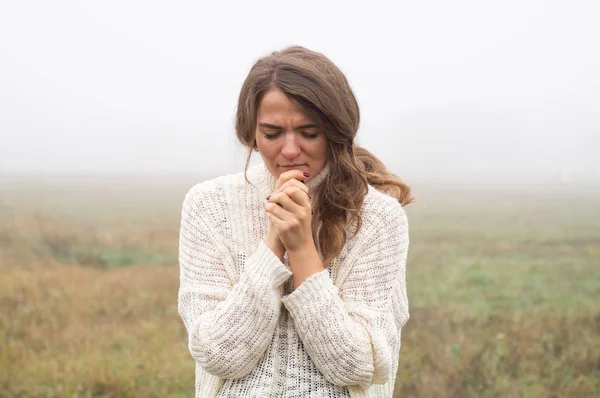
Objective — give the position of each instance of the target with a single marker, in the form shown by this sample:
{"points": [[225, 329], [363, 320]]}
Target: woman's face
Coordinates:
{"points": [[286, 138]]}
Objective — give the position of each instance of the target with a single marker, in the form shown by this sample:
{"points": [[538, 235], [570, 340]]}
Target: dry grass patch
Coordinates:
{"points": [[73, 330]]}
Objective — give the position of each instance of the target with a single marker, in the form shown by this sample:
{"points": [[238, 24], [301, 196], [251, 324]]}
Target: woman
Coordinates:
{"points": [[293, 272]]}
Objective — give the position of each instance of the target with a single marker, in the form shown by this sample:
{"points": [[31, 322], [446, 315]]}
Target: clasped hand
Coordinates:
{"points": [[289, 211]]}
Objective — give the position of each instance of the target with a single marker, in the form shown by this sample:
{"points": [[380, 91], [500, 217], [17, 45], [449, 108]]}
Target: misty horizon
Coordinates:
{"points": [[447, 91]]}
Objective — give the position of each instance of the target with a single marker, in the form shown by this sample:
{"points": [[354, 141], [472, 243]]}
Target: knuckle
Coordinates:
{"points": [[286, 175], [291, 190], [301, 186]]}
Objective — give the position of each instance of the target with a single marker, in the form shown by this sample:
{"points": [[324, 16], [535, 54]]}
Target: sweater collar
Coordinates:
{"points": [[260, 176]]}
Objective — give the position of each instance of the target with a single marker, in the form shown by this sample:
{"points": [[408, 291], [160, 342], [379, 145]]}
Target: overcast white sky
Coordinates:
{"points": [[445, 87]]}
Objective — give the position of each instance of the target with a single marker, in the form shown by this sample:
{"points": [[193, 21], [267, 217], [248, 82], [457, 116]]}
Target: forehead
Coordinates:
{"points": [[275, 105]]}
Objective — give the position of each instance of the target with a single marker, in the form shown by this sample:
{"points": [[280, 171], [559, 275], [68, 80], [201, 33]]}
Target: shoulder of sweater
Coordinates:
{"points": [[204, 198], [381, 209], [217, 185]]}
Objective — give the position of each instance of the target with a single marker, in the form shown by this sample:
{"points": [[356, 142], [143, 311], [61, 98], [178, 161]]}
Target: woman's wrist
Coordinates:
{"points": [[304, 262], [274, 243]]}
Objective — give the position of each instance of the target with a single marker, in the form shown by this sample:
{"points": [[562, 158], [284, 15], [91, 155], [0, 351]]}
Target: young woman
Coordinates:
{"points": [[293, 271]]}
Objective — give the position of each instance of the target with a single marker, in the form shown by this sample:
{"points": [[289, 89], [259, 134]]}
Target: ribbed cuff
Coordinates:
{"points": [[264, 262], [317, 290]]}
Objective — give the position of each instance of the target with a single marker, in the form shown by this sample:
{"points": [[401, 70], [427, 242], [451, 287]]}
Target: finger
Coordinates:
{"points": [[275, 221], [296, 204], [299, 198], [278, 211], [285, 200], [287, 175], [294, 183]]}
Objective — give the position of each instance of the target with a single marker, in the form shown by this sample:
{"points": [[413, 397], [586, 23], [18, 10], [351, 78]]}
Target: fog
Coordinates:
{"points": [[462, 89]]}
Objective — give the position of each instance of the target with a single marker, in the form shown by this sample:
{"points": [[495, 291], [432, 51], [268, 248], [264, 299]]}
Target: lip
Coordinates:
{"points": [[291, 166]]}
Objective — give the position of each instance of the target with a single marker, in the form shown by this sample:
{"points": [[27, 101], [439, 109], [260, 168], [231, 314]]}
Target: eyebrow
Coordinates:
{"points": [[275, 127]]}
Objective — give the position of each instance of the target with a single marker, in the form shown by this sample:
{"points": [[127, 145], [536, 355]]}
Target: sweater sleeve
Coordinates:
{"points": [[229, 325], [352, 334]]}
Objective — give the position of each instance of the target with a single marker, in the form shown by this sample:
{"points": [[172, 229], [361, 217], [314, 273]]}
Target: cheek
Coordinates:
{"points": [[265, 147], [321, 149]]}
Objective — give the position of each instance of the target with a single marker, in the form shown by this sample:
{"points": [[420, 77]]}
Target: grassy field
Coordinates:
{"points": [[504, 288]]}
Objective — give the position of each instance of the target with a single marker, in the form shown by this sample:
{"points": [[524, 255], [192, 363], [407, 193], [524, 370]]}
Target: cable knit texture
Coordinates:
{"points": [[252, 335]]}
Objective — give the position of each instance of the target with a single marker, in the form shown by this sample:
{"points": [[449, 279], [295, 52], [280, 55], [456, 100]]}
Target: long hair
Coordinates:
{"points": [[322, 91]]}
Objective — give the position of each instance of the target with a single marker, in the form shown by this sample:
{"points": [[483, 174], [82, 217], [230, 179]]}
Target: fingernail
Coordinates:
{"points": [[306, 174], [268, 197]]}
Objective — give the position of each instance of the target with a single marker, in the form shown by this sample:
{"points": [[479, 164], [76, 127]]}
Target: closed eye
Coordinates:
{"points": [[271, 136]]}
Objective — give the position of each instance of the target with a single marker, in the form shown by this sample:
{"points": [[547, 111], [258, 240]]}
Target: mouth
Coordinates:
{"points": [[289, 166]]}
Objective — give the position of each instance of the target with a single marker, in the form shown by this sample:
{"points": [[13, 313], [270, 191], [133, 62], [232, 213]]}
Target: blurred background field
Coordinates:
{"points": [[503, 280]]}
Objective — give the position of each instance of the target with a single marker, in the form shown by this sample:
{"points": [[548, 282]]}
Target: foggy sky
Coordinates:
{"points": [[445, 88]]}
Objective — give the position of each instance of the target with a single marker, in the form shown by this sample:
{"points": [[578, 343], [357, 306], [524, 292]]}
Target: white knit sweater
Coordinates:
{"points": [[251, 335]]}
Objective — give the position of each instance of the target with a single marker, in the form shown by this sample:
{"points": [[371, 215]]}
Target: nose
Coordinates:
{"points": [[290, 148]]}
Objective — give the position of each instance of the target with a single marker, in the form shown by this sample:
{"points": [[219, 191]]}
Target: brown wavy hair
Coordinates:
{"points": [[322, 91]]}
